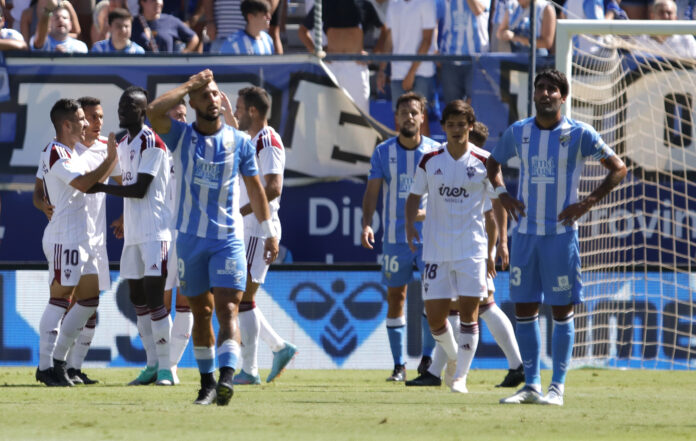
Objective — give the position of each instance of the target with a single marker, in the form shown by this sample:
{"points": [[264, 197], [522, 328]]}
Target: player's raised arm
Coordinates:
{"points": [[369, 205], [157, 110], [88, 180]]}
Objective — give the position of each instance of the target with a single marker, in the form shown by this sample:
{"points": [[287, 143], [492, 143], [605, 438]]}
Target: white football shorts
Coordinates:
{"points": [[145, 259], [103, 268], [256, 265], [172, 266], [461, 278], [69, 262]]}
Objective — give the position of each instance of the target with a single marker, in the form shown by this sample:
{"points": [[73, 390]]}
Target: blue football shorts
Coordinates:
{"points": [[209, 263], [545, 269], [397, 263]]}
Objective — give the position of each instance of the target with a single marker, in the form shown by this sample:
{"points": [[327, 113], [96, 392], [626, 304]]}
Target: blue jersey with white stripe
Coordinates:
{"points": [[207, 170], [396, 166], [465, 33], [241, 43], [551, 164]]}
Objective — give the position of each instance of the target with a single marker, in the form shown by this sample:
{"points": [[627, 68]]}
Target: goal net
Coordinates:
{"points": [[638, 244]]}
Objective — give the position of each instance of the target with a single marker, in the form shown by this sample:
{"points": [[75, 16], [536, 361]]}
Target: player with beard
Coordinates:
{"points": [[393, 165], [252, 107], [210, 159], [145, 170]]}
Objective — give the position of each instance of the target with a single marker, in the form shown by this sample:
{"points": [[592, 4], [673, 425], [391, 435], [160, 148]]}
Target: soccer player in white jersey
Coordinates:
{"points": [[393, 165], [145, 171], [454, 238], [66, 241], [498, 323], [183, 319], [252, 107], [210, 159], [545, 256]]}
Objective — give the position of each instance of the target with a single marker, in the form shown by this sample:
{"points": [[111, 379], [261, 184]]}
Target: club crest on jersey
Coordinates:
{"points": [[564, 140], [470, 171], [338, 314], [67, 272]]}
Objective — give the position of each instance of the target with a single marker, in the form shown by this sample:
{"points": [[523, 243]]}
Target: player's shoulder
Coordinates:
{"points": [[578, 125], [429, 143], [429, 156], [55, 152], [268, 138], [386, 143], [479, 153], [149, 139]]}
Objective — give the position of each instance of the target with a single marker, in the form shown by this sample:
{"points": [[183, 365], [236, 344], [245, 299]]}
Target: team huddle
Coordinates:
{"points": [[184, 224], [200, 212]]}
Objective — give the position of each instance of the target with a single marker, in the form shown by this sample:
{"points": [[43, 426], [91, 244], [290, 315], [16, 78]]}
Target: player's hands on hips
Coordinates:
{"points": [[47, 208], [368, 237], [514, 207], [270, 250], [573, 212], [503, 254], [412, 237], [201, 79], [117, 226]]}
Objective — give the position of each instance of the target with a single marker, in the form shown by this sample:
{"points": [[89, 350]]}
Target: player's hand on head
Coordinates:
{"points": [[270, 250], [201, 78], [368, 237]]}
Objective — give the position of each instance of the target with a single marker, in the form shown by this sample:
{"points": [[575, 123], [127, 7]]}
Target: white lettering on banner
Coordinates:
{"points": [[677, 223], [40, 97], [317, 130], [320, 205]]}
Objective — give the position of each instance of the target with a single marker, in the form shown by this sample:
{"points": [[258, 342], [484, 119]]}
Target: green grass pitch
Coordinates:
{"points": [[349, 405]]}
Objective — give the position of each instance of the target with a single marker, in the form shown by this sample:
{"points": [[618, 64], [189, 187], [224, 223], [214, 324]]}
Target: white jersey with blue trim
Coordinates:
{"points": [[396, 166], [464, 32], [208, 171], [551, 164], [241, 43]]}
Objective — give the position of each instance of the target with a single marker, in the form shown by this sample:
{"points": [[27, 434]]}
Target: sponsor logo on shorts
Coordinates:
{"points": [[154, 267], [562, 284], [231, 270], [465, 346]]}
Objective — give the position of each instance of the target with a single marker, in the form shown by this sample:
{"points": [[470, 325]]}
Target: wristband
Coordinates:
{"points": [[500, 190], [267, 229]]}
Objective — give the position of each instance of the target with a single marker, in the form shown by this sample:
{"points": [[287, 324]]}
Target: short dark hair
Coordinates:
{"points": [[255, 96], [254, 7], [62, 110], [479, 134], [556, 78], [88, 101], [412, 96], [137, 89], [459, 107], [119, 14]]}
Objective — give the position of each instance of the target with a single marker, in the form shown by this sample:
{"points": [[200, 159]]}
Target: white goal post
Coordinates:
{"points": [[638, 245]]}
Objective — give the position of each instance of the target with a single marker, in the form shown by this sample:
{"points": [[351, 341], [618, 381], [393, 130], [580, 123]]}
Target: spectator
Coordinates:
{"points": [[515, 26], [120, 26], [685, 9], [278, 19], [345, 23], [10, 39], [224, 18], [30, 18], [100, 18], [252, 40], [500, 8], [612, 10], [58, 39], [466, 33], [680, 45], [157, 32], [411, 28]]}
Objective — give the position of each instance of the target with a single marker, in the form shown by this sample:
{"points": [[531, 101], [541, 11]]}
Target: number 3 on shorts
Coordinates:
{"points": [[515, 276]]}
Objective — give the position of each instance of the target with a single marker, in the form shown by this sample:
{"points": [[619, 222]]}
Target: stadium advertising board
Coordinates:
{"points": [[336, 318]]}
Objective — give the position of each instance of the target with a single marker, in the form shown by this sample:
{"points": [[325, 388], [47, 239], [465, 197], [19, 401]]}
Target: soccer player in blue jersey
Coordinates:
{"points": [[393, 165], [545, 256], [253, 39], [210, 158]]}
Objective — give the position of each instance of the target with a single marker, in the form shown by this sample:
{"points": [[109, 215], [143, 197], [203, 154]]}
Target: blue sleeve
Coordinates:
{"points": [[376, 171], [247, 160], [506, 147], [591, 144], [172, 137], [593, 9]]}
